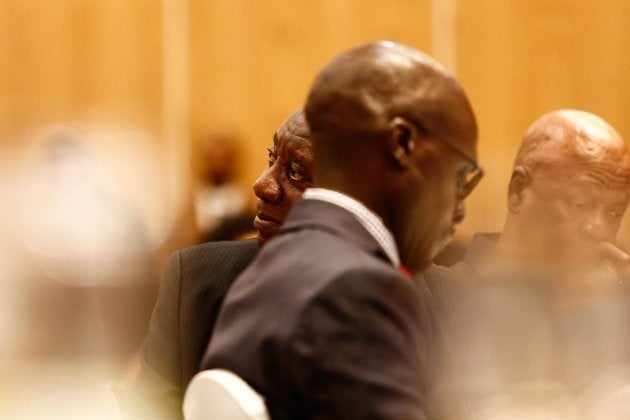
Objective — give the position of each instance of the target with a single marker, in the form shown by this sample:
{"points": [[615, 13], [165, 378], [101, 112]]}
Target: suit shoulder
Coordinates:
{"points": [[215, 260], [221, 249], [371, 303], [365, 281], [374, 282]]}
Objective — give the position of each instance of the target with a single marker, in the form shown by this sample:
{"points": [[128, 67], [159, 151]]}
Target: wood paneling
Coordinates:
{"points": [[62, 59], [253, 61]]}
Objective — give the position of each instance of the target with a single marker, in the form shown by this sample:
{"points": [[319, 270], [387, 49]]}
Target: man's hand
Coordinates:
{"points": [[616, 260]]}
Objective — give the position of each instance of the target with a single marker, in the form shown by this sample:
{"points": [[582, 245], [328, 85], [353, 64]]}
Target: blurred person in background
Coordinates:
{"points": [[221, 206], [198, 278], [85, 290], [541, 307]]}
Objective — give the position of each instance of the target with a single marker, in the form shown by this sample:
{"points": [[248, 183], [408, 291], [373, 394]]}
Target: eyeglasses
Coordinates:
{"points": [[466, 180]]}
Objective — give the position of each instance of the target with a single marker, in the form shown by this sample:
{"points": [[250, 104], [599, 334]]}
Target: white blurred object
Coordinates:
{"points": [[62, 391], [84, 201], [529, 401], [82, 215], [606, 394], [221, 394]]}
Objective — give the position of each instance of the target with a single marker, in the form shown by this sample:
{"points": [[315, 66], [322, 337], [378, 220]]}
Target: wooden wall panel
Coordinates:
{"points": [[253, 61], [62, 59]]}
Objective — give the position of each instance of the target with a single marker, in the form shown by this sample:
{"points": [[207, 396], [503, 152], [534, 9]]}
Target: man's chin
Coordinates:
{"points": [[265, 236]]}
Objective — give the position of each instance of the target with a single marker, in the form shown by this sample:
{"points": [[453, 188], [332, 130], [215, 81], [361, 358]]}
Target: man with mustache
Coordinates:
{"points": [[198, 278], [325, 323], [540, 307]]}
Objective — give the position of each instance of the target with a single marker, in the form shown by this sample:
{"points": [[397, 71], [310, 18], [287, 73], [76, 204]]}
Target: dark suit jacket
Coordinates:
{"points": [[196, 282], [323, 326]]}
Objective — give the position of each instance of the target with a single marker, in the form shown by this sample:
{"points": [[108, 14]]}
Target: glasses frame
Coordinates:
{"points": [[465, 186]]}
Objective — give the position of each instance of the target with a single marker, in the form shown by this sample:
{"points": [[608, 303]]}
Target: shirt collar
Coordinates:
{"points": [[368, 219]]}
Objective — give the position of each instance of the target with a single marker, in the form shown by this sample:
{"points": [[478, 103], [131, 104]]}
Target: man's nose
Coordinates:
{"points": [[459, 213], [267, 187], [596, 228]]}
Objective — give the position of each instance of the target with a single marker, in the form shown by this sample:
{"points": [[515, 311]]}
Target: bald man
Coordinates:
{"points": [[542, 305], [324, 323], [568, 193]]}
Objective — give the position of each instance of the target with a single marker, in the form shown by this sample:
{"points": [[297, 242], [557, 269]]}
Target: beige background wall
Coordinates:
{"points": [[180, 69], [63, 59], [253, 61]]}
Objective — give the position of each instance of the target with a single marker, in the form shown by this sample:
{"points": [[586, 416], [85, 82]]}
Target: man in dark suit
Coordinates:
{"points": [[323, 323], [198, 278]]}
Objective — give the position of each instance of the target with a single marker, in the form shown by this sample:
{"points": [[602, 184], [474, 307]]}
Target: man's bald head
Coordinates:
{"points": [[297, 125], [569, 190], [392, 128], [361, 90], [564, 141]]}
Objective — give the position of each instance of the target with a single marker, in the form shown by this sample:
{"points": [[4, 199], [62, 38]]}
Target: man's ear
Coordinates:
{"points": [[519, 182], [401, 142]]}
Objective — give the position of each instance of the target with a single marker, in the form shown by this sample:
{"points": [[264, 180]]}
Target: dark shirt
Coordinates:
{"points": [[191, 294], [324, 327]]}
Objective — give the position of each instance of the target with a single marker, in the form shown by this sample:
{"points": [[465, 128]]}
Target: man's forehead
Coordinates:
{"points": [[295, 145], [563, 153], [587, 182], [289, 133]]}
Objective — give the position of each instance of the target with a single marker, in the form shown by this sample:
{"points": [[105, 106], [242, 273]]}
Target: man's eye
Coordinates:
{"points": [[578, 205], [294, 173], [271, 156], [616, 214]]}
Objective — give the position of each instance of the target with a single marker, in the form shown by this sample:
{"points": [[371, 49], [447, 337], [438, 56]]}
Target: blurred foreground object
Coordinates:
{"points": [[82, 219], [221, 394]]}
